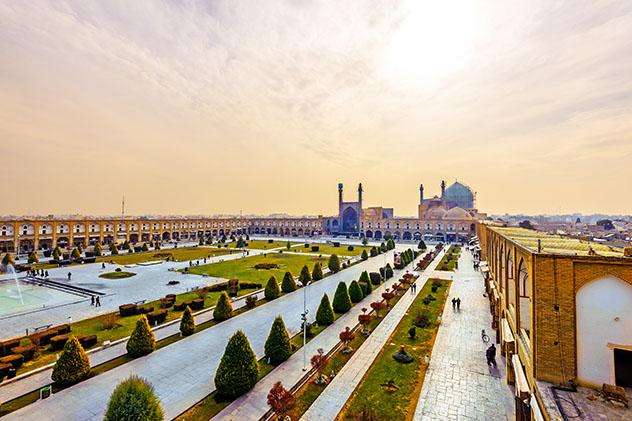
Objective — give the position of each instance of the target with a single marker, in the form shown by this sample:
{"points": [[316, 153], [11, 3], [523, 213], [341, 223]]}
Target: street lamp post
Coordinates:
{"points": [[304, 319]]}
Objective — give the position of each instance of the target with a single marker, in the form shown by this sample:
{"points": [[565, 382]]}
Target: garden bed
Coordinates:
{"points": [[390, 389], [117, 275]]}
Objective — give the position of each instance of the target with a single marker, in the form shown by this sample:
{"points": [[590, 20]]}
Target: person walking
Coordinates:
{"points": [[458, 304], [92, 300], [98, 302], [491, 355], [69, 275], [46, 274], [453, 304]]}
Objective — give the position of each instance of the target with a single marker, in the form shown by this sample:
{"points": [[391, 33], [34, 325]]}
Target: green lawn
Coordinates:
{"points": [[116, 275], [179, 255], [243, 269], [450, 260], [121, 327], [263, 244], [408, 378], [328, 249]]}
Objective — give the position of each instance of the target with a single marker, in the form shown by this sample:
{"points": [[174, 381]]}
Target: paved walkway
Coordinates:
{"points": [[458, 384], [332, 399], [253, 405], [182, 373]]}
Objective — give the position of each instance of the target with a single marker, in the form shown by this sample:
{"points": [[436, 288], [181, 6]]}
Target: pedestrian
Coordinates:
{"points": [[415, 287], [46, 274], [453, 303], [69, 275], [98, 302], [491, 355], [92, 300], [103, 265], [458, 304]]}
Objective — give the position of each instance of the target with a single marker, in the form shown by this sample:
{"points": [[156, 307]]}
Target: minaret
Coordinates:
{"points": [[421, 194], [340, 200], [442, 188], [359, 209]]}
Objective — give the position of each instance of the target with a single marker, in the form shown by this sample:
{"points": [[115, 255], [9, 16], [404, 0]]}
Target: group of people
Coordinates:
{"points": [[413, 288], [456, 304], [95, 301], [37, 272]]}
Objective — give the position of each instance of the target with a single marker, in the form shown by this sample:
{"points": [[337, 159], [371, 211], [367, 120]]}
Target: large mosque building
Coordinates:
{"points": [[449, 217]]}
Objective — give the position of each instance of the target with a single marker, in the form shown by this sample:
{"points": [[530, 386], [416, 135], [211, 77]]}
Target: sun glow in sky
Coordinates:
{"points": [[206, 107]]}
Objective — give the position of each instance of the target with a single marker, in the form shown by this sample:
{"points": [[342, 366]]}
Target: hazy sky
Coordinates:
{"points": [[264, 106]]}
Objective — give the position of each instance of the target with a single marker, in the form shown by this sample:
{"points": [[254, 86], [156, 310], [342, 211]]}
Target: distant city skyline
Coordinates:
{"points": [[207, 107]]}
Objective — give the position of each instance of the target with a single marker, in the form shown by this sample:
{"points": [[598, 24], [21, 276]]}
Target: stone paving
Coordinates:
{"points": [[333, 398], [182, 373], [253, 405], [458, 384]]}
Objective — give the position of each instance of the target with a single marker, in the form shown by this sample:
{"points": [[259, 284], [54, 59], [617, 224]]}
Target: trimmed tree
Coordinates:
{"points": [[334, 263], [366, 286], [355, 292], [278, 347], [317, 273], [305, 278], [145, 247], [8, 259], [325, 313], [73, 364], [421, 245], [364, 256], [364, 277], [238, 370], [388, 272], [114, 248], [223, 308], [342, 301], [288, 284], [272, 290], [33, 257], [280, 400], [98, 250], [142, 340], [57, 253], [134, 399], [187, 324], [75, 254]]}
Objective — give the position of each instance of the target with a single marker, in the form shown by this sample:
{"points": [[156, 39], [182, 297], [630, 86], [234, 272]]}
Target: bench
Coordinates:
{"points": [[140, 302], [615, 393]]}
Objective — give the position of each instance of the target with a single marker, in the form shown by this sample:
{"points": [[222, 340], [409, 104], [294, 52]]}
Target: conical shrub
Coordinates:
{"points": [[288, 284], [75, 254], [355, 292], [364, 256], [334, 263], [342, 301], [142, 340], [238, 370], [278, 347], [8, 259], [98, 250], [364, 277], [223, 308], [325, 313], [305, 277], [73, 364], [317, 272], [272, 290], [33, 257], [134, 399], [187, 324]]}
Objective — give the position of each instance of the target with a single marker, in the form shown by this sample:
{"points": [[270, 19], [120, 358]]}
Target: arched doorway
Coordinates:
{"points": [[603, 317], [349, 220], [368, 234], [378, 235]]}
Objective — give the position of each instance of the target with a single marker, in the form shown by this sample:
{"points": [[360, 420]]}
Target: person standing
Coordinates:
{"points": [[453, 304], [491, 355], [69, 275], [92, 300], [458, 304], [98, 302]]}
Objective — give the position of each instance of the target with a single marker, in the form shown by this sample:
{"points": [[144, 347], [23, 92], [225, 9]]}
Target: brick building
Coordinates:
{"points": [[563, 309]]}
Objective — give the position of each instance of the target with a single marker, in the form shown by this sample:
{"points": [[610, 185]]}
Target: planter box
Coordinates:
{"points": [[157, 317], [128, 310], [5, 346], [27, 351], [197, 304], [88, 341], [15, 360], [57, 342]]}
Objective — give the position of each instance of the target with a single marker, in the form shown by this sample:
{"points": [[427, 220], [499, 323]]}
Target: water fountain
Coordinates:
{"points": [[12, 272]]}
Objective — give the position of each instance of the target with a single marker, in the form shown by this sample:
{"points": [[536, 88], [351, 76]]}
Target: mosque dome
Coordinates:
{"points": [[457, 213], [459, 194], [435, 213]]}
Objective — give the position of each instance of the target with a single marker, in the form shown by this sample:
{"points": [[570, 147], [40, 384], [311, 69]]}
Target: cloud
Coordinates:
{"points": [[192, 87]]}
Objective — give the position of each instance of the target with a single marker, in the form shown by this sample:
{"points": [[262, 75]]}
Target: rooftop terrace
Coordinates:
{"points": [[556, 244]]}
